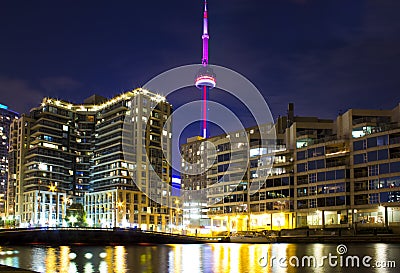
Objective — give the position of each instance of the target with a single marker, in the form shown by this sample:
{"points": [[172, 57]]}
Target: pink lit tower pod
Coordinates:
{"points": [[205, 78]]}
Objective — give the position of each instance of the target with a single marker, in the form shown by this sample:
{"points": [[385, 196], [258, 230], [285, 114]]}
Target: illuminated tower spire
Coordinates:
{"points": [[205, 36], [205, 79]]}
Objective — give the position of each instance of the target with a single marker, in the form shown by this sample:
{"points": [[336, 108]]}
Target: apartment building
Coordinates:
{"points": [[6, 118], [67, 153], [324, 173]]}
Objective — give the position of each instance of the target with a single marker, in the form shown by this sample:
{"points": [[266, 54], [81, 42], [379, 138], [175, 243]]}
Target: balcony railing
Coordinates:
{"points": [[371, 120], [395, 140]]}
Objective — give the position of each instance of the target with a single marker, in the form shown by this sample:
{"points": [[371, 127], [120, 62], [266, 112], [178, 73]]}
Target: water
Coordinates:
{"points": [[204, 258]]}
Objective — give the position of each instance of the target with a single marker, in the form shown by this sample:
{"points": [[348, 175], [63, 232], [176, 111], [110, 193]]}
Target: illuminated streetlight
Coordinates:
{"points": [[53, 188]]}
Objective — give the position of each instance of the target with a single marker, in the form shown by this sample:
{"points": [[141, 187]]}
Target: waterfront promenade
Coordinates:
{"points": [[118, 236], [8, 269], [90, 236]]}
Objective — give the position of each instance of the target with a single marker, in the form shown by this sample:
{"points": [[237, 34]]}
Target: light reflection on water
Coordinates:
{"points": [[185, 258]]}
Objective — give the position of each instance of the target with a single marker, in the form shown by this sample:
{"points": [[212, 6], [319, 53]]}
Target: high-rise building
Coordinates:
{"points": [[65, 151], [6, 118], [194, 182], [131, 154], [325, 173]]}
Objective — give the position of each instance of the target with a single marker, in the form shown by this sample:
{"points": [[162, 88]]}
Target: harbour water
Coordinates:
{"points": [[217, 257]]}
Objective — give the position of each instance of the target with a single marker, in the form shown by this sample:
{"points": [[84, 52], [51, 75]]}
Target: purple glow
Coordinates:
{"points": [[205, 36], [205, 79], [204, 111]]}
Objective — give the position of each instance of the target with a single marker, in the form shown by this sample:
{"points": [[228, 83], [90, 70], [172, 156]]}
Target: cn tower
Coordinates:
{"points": [[205, 78]]}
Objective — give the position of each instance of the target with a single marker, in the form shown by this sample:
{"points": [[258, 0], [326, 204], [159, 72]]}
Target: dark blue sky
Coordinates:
{"points": [[325, 56]]}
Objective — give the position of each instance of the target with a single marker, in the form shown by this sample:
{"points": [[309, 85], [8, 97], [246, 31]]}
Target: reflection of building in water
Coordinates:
{"points": [[325, 173]]}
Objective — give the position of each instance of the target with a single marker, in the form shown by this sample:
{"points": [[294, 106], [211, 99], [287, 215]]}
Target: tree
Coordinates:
{"points": [[76, 215]]}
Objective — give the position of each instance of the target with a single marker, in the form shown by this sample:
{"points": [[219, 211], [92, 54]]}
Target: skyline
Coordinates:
{"points": [[325, 57]]}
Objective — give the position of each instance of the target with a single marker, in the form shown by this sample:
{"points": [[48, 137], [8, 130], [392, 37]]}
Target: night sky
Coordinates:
{"points": [[325, 56]]}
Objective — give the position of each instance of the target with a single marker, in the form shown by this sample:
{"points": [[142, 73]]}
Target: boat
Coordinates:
{"points": [[251, 237]]}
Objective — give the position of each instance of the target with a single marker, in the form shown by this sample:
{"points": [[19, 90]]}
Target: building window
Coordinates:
{"points": [[312, 178], [372, 156], [321, 176], [301, 167], [340, 174], [373, 170], [359, 159], [358, 145], [383, 154], [374, 198], [382, 140], [373, 184], [395, 167], [330, 175], [371, 142], [383, 168]]}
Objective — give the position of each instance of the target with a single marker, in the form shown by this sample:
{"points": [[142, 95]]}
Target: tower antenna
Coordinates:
{"points": [[205, 79]]}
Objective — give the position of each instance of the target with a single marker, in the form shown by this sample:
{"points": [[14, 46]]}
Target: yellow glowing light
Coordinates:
{"points": [[51, 260], [53, 188], [337, 153], [120, 259]]}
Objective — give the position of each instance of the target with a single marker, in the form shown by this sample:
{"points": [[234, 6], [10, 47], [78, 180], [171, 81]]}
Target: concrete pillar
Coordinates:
{"points": [[294, 220], [386, 218], [354, 221], [271, 222], [323, 218]]}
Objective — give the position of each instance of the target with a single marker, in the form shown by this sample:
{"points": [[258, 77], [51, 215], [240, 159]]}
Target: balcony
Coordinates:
{"points": [[370, 121]]}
